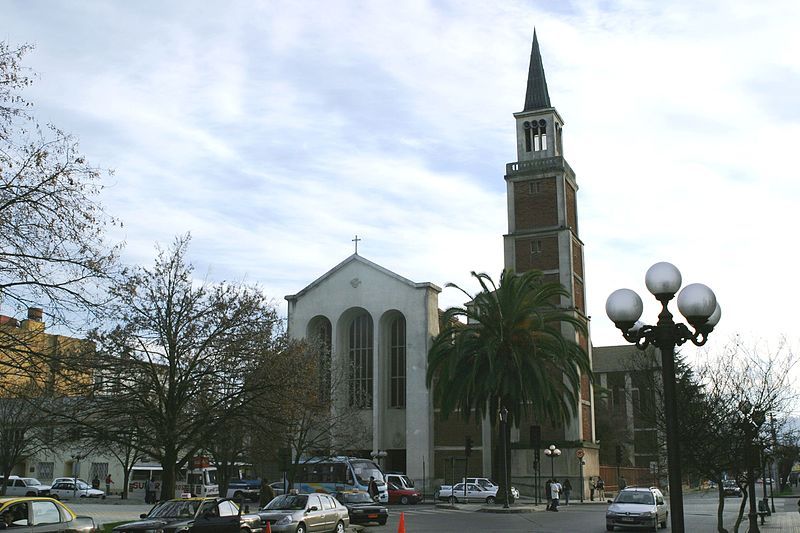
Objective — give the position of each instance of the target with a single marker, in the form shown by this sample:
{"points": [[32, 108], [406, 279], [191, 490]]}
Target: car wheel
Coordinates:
{"points": [[237, 495], [29, 493], [301, 528], [490, 499], [609, 528], [404, 500], [340, 527], [382, 522]]}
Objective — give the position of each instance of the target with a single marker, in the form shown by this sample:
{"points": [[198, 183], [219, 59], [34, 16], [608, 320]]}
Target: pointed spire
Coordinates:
{"points": [[536, 96]]}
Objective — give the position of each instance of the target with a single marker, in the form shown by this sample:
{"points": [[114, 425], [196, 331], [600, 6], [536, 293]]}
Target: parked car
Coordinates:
{"points": [[64, 490], [483, 482], [304, 513], [488, 484], [730, 488], [25, 486], [467, 492], [362, 508], [403, 496], [60, 479], [277, 487], [239, 490], [46, 513], [194, 515], [637, 507], [401, 489]]}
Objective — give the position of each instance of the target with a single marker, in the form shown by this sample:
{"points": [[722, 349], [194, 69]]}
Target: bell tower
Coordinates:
{"points": [[543, 220]]}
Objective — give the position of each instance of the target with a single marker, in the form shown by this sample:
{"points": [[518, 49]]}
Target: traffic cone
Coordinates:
{"points": [[401, 527], [269, 528]]}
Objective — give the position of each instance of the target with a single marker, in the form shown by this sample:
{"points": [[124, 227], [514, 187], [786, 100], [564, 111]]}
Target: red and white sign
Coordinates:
{"points": [[579, 453]]}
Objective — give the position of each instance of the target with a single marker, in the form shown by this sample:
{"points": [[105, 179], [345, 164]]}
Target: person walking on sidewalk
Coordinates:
{"points": [[591, 488], [567, 489], [555, 490], [601, 488]]}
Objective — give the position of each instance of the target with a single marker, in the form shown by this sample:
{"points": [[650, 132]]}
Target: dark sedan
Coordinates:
{"points": [[194, 515], [730, 488], [361, 508], [26, 513]]}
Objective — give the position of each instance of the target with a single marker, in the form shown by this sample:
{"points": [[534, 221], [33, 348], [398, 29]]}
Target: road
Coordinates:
{"points": [[699, 509]]}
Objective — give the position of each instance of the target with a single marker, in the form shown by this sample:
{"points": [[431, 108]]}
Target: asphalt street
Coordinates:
{"points": [[700, 516]]}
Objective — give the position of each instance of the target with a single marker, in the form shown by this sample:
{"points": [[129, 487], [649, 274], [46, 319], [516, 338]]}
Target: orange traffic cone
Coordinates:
{"points": [[401, 527], [269, 528]]}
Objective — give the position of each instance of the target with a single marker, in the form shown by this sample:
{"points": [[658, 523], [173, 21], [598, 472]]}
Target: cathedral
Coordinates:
{"points": [[380, 325]]}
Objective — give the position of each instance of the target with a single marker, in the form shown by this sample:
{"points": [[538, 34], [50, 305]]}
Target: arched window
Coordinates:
{"points": [[359, 348], [319, 333], [397, 362]]}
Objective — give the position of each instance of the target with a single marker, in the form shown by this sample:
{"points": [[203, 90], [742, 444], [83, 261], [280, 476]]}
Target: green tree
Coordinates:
{"points": [[507, 348]]}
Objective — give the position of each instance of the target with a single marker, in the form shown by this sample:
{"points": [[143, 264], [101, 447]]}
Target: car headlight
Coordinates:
{"points": [[611, 513], [651, 514], [285, 520]]}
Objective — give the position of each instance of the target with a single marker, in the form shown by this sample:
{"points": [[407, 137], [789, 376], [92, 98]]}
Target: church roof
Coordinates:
{"points": [[536, 96], [357, 258]]}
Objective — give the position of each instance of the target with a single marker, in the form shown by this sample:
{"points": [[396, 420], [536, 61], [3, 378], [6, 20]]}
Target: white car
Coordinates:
{"points": [[467, 492], [25, 486], [60, 479], [63, 490]]}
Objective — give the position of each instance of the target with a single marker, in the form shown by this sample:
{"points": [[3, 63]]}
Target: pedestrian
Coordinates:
{"points": [[150, 491], [547, 485], [622, 483], [567, 489], [591, 488], [555, 490], [95, 482], [601, 488], [372, 488], [109, 482], [267, 493]]}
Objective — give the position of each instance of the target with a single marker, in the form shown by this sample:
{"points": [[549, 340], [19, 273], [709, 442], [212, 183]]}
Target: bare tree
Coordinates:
{"points": [[53, 249], [179, 356]]}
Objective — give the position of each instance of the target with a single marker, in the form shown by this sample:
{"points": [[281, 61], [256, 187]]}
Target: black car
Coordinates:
{"points": [[730, 488], [194, 515], [361, 508]]}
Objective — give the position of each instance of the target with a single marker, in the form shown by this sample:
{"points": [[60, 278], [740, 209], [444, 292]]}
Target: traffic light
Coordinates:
{"points": [[467, 446], [619, 454]]}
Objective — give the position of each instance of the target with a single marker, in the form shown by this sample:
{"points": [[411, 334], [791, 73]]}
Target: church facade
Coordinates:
{"points": [[380, 325]]}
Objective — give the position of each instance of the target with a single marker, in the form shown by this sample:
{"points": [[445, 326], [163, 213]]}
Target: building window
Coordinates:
{"points": [[528, 135], [397, 363], [360, 360], [45, 470], [534, 187], [321, 333], [536, 247]]}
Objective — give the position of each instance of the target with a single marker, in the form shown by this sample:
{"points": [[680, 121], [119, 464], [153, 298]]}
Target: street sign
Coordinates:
{"points": [[579, 453]]}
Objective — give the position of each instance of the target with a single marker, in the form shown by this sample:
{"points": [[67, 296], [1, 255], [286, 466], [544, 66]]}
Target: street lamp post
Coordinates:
{"points": [[698, 305], [552, 452], [751, 422], [503, 422]]}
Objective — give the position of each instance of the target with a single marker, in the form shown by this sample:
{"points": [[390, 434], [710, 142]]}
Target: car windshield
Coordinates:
{"points": [[365, 469], [638, 496], [353, 497], [175, 508], [288, 502], [82, 485]]}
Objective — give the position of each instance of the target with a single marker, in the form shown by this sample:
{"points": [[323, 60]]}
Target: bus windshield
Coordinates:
{"points": [[364, 469]]}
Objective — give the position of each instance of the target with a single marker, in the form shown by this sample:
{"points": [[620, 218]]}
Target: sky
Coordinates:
{"points": [[274, 132]]}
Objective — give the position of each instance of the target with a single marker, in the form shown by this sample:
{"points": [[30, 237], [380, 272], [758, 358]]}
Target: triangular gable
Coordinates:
{"points": [[368, 263]]}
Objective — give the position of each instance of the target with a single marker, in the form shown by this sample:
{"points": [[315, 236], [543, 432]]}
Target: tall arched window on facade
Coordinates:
{"points": [[397, 362], [359, 348], [319, 333]]}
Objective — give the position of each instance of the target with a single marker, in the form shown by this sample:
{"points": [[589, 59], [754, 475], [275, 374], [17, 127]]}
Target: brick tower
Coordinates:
{"points": [[543, 228]]}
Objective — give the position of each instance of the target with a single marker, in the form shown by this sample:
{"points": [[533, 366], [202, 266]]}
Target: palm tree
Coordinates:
{"points": [[506, 349]]}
